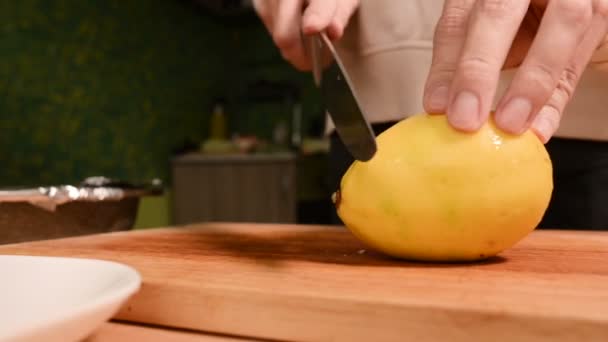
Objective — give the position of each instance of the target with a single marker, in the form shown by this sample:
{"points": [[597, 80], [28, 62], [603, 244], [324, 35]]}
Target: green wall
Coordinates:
{"points": [[112, 87]]}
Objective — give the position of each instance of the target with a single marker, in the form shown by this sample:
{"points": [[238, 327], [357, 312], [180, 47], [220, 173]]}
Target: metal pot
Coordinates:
{"points": [[96, 205]]}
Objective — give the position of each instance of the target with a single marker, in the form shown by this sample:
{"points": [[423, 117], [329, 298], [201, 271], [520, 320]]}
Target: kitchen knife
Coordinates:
{"points": [[340, 100]]}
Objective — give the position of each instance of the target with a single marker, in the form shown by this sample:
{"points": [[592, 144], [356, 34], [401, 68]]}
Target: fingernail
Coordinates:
{"points": [[464, 113], [438, 100], [543, 125], [513, 117]]}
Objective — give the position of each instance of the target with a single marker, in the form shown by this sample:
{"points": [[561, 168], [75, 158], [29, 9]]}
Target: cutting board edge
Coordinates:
{"points": [[229, 306]]}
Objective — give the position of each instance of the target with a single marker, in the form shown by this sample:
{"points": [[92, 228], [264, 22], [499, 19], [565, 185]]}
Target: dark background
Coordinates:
{"points": [[116, 87]]}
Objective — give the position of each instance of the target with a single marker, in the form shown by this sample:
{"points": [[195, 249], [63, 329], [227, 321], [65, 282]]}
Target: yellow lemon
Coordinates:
{"points": [[434, 193]]}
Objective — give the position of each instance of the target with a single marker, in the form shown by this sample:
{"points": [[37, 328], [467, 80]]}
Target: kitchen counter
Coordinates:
{"points": [[316, 283]]}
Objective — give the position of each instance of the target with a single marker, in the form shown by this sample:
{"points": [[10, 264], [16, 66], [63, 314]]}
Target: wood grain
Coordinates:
{"points": [[120, 332], [309, 283]]}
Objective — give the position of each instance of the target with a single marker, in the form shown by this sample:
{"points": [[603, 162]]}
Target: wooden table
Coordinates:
{"points": [[311, 283]]}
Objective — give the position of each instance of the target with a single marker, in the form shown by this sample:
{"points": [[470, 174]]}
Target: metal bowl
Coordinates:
{"points": [[97, 205]]}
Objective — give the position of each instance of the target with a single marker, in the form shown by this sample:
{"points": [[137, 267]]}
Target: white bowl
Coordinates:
{"points": [[60, 299]]}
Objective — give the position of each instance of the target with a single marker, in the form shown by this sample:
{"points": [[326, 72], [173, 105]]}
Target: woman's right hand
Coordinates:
{"points": [[286, 20]]}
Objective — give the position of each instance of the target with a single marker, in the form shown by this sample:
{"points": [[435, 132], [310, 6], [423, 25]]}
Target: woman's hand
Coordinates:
{"points": [[551, 41], [287, 19]]}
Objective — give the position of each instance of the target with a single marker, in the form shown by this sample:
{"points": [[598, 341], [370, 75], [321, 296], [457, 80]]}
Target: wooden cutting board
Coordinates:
{"points": [[119, 332], [310, 283]]}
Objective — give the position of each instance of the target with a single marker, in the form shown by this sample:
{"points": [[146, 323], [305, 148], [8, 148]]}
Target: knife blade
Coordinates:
{"points": [[340, 100]]}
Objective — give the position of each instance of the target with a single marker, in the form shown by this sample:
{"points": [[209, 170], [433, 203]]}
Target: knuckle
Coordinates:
{"points": [[566, 84], [442, 68], [496, 9], [553, 116], [575, 12], [562, 94], [542, 78], [439, 77], [476, 70], [452, 23], [476, 64]]}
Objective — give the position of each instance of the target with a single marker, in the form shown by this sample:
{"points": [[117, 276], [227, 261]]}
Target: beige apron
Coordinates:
{"points": [[387, 49]]}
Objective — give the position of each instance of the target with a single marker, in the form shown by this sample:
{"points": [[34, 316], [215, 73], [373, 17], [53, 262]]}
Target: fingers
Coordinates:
{"points": [[330, 16], [493, 25], [449, 36], [286, 33], [287, 20], [318, 15], [344, 11], [473, 40], [547, 61], [546, 122]]}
